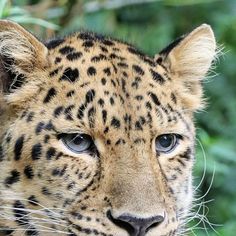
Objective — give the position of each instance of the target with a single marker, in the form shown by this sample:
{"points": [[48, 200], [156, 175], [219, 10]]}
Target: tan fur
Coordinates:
{"points": [[190, 61], [76, 192]]}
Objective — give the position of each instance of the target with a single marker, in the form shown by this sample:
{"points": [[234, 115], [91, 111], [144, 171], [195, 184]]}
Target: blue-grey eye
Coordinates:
{"points": [[77, 143], [166, 142]]}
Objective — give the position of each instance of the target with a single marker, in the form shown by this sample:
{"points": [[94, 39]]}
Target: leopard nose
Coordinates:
{"points": [[134, 225]]}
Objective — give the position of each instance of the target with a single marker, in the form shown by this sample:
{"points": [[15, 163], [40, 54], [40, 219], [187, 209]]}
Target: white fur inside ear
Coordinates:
{"points": [[17, 47], [192, 58]]}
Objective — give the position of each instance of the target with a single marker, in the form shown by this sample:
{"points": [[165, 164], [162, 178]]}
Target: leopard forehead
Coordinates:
{"points": [[103, 82]]}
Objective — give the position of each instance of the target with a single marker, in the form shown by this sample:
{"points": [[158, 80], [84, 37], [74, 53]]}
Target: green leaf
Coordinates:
{"points": [[3, 4], [32, 20]]}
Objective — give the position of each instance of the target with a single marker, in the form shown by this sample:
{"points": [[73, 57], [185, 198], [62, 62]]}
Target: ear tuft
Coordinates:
{"points": [[20, 53], [188, 60], [191, 56]]}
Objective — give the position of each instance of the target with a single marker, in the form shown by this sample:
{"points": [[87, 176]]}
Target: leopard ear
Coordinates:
{"points": [[21, 54], [188, 60]]}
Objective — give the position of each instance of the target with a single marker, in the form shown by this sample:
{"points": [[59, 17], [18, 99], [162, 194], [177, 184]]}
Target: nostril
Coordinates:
{"points": [[136, 226], [156, 221], [120, 223]]}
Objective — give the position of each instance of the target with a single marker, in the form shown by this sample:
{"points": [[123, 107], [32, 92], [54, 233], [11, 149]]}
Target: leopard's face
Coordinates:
{"points": [[99, 139]]}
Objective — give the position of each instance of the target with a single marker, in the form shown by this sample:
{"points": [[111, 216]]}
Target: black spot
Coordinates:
{"points": [[139, 140], [157, 77], [31, 231], [71, 185], [49, 126], [30, 116], [1, 153], [139, 97], [104, 49], [141, 56], [106, 92], [51, 93], [90, 96], [66, 50], [104, 81], [154, 98], [56, 172], [181, 162], [86, 36], [68, 112], [104, 116], [39, 127], [29, 173], [54, 43], [45, 191], [24, 113], [32, 200], [50, 153], [101, 102], [138, 125], [113, 82], [107, 42], [13, 178], [81, 109], [173, 98], [114, 56], [112, 101], [148, 106], [36, 151], [57, 60], [122, 65], [88, 44], [20, 213], [46, 138], [54, 72], [18, 147], [74, 56], [138, 69], [98, 58], [115, 122], [91, 114], [186, 155], [107, 71], [135, 52], [70, 93], [123, 84], [106, 130], [70, 75], [91, 71], [120, 141], [58, 111], [8, 138]]}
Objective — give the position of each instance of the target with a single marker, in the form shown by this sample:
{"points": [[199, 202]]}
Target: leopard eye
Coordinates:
{"points": [[166, 142], [77, 143]]}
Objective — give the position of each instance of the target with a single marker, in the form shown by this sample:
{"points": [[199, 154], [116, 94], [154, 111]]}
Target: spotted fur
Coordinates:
{"points": [[122, 98]]}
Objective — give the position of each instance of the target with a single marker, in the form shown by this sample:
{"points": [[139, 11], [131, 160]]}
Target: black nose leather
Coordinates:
{"points": [[134, 225]]}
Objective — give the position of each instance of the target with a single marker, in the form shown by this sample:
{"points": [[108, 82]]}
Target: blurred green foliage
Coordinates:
{"points": [[151, 25]]}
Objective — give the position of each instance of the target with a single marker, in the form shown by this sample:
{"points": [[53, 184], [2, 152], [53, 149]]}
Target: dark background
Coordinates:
{"points": [[151, 25]]}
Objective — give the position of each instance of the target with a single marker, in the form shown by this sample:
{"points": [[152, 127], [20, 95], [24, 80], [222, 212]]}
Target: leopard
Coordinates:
{"points": [[97, 137]]}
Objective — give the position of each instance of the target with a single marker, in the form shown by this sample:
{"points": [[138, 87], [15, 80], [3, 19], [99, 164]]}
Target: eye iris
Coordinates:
{"points": [[166, 142], [77, 143]]}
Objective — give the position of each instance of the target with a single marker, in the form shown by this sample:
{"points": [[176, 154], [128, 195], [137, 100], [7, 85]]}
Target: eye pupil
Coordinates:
{"points": [[78, 140], [165, 141]]}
